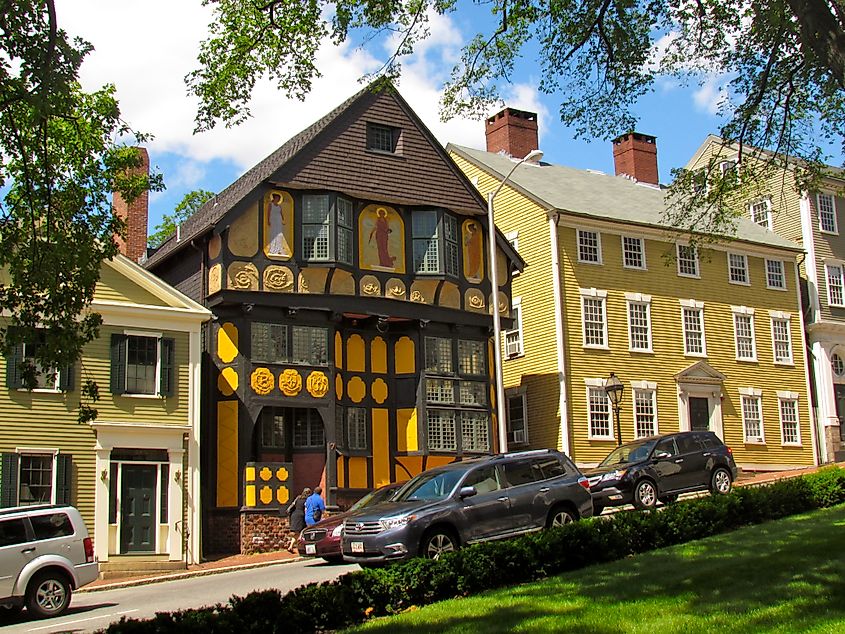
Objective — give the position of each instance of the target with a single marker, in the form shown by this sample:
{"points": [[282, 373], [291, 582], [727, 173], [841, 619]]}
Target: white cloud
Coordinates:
{"points": [[710, 94]]}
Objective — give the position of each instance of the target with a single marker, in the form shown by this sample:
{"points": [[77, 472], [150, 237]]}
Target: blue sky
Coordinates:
{"points": [[147, 57]]}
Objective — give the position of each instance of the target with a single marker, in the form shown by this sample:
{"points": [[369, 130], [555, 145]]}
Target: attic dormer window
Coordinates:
{"points": [[382, 138]]}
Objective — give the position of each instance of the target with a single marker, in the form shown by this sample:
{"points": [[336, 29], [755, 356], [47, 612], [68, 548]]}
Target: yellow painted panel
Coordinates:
{"points": [[266, 494], [473, 241], [356, 389], [381, 448], [438, 461], [278, 225], [358, 473], [227, 453], [242, 237], [341, 472], [378, 356], [404, 361], [116, 287], [227, 381], [406, 433], [227, 342], [379, 391], [407, 467], [338, 350], [282, 494], [250, 495], [342, 283], [381, 235], [249, 474], [355, 353], [338, 386]]}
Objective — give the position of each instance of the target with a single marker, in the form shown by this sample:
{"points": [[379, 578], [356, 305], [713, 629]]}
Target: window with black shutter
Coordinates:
{"points": [[142, 365]]}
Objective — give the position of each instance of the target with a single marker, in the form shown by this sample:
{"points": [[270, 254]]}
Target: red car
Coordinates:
{"points": [[323, 538]]}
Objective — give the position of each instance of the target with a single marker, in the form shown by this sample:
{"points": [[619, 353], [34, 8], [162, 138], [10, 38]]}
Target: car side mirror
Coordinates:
{"points": [[662, 455], [467, 492]]}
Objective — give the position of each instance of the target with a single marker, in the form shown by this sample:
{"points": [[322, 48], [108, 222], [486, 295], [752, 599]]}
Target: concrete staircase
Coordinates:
{"points": [[123, 566]]}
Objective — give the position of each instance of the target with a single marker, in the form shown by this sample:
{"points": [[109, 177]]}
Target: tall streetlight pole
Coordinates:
{"points": [[614, 388], [497, 323]]}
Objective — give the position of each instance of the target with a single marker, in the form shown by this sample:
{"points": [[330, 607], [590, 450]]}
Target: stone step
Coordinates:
{"points": [[133, 566]]}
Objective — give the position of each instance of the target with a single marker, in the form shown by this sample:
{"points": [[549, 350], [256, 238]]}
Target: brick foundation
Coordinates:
{"points": [[263, 532], [223, 534]]}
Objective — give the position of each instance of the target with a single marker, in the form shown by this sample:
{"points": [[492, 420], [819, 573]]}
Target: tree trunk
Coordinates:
{"points": [[822, 35]]}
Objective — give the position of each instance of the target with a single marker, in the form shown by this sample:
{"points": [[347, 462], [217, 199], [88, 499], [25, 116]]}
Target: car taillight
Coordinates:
{"points": [[730, 451], [89, 549], [584, 482]]}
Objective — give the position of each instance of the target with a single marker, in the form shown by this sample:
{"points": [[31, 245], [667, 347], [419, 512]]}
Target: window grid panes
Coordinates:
{"points": [[273, 430], [344, 230], [141, 365], [639, 327], [781, 340], [837, 365], [439, 391], [269, 342], [441, 430], [36, 479], [599, 413], [760, 213], [356, 428], [751, 420], [380, 138], [475, 435], [473, 393], [738, 268], [827, 213], [789, 422], [744, 330], [472, 357], [693, 331], [632, 253], [316, 227], [450, 230], [307, 429], [310, 345], [687, 260], [645, 413], [835, 293], [45, 378], [593, 321], [516, 419], [589, 249], [513, 338], [438, 355], [775, 277], [426, 242]]}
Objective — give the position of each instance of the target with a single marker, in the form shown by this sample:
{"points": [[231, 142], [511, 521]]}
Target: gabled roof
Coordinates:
{"points": [[700, 372], [294, 164], [592, 194]]}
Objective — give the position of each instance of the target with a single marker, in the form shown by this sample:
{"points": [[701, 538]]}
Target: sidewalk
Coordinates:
{"points": [[242, 562]]}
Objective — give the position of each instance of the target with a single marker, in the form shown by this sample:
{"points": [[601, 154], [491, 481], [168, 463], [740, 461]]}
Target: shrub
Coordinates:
{"points": [[359, 595]]}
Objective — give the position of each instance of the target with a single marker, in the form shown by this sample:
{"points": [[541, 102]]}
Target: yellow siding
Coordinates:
{"points": [[115, 287]]}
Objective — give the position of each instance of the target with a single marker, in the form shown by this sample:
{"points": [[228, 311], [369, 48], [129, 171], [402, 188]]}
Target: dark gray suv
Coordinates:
{"points": [[470, 501]]}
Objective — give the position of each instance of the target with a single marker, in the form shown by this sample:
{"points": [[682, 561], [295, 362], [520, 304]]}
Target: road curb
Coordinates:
{"points": [[129, 583]]}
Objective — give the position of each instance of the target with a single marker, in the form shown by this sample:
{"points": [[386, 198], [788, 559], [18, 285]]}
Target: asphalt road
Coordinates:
{"points": [[91, 611]]}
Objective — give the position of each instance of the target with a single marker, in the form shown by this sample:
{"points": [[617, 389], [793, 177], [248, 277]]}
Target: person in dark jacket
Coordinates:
{"points": [[296, 515]]}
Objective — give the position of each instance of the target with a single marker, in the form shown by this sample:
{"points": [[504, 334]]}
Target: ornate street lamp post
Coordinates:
{"points": [[614, 388], [533, 155]]}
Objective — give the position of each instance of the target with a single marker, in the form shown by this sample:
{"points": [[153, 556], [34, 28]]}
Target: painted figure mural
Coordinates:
{"points": [[278, 225], [382, 239], [473, 241]]}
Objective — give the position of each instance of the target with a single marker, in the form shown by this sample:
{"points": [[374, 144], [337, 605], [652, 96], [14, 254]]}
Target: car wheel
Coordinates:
{"points": [[560, 516], [48, 595], [645, 495], [438, 542], [669, 499], [720, 481]]}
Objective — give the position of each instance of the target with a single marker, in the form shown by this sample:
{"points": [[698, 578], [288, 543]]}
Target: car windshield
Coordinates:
{"points": [[374, 497], [429, 486], [632, 452]]}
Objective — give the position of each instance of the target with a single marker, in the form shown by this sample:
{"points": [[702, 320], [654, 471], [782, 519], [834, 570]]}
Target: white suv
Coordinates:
{"points": [[45, 553]]}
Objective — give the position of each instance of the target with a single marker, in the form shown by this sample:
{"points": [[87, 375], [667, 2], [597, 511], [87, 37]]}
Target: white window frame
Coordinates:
{"points": [[739, 312], [513, 238], [597, 234], [746, 273], [600, 296], [41, 372], [641, 242], [781, 317], [828, 265], [158, 336], [757, 395], [639, 299], [789, 397], [644, 387], [691, 304], [695, 260], [598, 386], [724, 163], [835, 230], [520, 393], [782, 275], [38, 451], [769, 226], [516, 332]]}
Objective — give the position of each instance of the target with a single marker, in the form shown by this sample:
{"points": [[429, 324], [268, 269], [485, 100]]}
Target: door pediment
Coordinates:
{"points": [[700, 373]]}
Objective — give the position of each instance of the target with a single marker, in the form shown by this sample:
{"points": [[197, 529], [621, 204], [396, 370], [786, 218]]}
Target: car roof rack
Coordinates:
{"points": [[527, 452]]}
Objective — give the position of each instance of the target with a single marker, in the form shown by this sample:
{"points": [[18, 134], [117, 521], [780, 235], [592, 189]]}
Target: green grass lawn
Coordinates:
{"points": [[784, 576]]}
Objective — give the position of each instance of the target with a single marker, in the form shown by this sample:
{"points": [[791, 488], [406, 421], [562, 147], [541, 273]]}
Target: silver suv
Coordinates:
{"points": [[469, 501], [45, 553]]}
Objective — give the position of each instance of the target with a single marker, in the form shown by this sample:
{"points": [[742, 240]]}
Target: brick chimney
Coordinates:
{"points": [[635, 155], [513, 132], [135, 214]]}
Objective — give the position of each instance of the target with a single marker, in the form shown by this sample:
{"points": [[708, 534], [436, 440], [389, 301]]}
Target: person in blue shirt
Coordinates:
{"points": [[314, 507]]}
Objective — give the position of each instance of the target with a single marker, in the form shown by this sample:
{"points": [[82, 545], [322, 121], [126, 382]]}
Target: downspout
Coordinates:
{"points": [[813, 422], [557, 289], [193, 529]]}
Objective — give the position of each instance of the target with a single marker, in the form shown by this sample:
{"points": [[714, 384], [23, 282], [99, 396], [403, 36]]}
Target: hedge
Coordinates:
{"points": [[359, 595]]}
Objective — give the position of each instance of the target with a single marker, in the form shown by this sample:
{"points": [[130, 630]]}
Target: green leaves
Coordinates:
{"points": [[186, 208]]}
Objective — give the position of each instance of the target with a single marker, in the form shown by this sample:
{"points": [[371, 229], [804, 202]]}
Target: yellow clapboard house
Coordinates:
{"points": [[702, 338]]}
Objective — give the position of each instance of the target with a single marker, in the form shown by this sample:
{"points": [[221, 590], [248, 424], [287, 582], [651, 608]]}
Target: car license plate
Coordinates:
{"points": [[310, 549], [357, 547]]}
